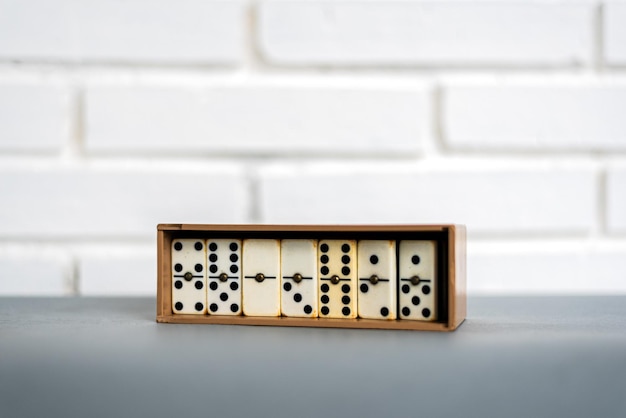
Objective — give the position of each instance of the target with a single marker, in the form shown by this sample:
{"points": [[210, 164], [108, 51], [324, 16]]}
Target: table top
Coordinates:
{"points": [[513, 357]]}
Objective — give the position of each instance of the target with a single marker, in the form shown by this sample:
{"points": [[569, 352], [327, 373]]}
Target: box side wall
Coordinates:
{"points": [[458, 273], [164, 277], [304, 228]]}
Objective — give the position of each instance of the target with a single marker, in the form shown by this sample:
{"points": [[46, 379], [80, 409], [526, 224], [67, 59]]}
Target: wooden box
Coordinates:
{"points": [[450, 241]]}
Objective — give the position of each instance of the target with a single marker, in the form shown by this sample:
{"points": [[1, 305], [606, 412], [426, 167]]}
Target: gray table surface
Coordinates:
{"points": [[513, 357]]}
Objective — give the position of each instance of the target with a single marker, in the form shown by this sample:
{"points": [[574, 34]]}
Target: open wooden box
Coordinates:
{"points": [[451, 262]]}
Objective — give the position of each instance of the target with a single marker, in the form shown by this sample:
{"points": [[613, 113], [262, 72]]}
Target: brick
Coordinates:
{"points": [[132, 274], [535, 268], [256, 119], [488, 201], [615, 33], [116, 202], [31, 276], [616, 200], [34, 117], [161, 31], [531, 117], [425, 32]]}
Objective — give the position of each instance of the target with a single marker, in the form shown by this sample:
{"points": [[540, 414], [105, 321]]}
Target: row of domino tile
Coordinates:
{"points": [[374, 279]]}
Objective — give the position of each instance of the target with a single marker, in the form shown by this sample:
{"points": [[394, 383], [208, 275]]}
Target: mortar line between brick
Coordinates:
{"points": [[189, 75], [598, 38], [73, 148], [438, 130], [73, 277], [252, 61]]}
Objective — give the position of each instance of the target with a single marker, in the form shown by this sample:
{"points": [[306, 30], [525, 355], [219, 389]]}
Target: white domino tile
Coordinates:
{"points": [[417, 280], [261, 272], [376, 265], [337, 279], [188, 276], [299, 278], [224, 276]]}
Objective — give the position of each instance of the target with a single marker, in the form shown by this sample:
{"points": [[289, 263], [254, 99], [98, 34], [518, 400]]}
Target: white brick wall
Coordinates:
{"points": [[108, 273], [183, 31], [32, 275], [531, 268], [248, 118], [426, 32], [115, 202], [23, 104], [506, 115], [554, 116], [615, 33], [496, 201]]}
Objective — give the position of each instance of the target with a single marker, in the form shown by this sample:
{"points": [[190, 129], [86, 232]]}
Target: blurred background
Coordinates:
{"points": [[508, 116]]}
